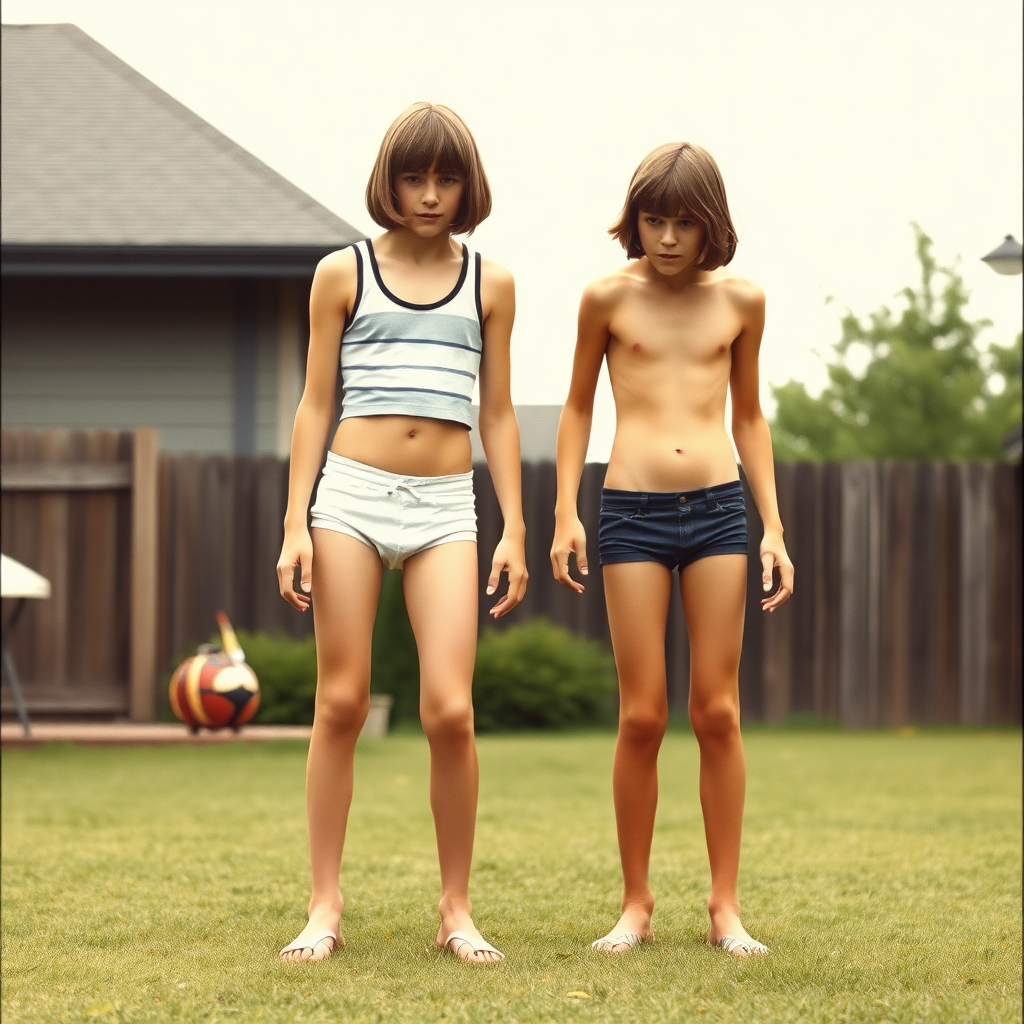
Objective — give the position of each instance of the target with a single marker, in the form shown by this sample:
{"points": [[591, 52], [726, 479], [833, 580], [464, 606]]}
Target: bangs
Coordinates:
{"points": [[426, 142], [668, 196]]}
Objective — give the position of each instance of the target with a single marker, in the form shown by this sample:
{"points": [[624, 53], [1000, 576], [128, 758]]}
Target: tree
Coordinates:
{"points": [[927, 392]]}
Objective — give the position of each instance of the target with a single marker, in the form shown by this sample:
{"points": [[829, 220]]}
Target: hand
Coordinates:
{"points": [[510, 557], [569, 537], [297, 550], [773, 555]]}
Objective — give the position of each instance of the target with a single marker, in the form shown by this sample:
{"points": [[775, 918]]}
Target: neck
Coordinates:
{"points": [[404, 244], [673, 282]]}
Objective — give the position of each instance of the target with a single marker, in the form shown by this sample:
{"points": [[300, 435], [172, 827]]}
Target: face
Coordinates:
{"points": [[671, 244], [428, 201]]}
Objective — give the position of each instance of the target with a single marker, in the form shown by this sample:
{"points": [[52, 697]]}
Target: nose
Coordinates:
{"points": [[430, 197], [668, 236]]}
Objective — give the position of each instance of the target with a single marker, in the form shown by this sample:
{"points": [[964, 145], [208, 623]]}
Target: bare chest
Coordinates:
{"points": [[673, 332]]}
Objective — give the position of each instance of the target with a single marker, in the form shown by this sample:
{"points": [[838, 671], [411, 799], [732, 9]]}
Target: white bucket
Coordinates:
{"points": [[376, 725]]}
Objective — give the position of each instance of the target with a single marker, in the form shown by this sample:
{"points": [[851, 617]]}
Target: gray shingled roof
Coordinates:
{"points": [[94, 155]]}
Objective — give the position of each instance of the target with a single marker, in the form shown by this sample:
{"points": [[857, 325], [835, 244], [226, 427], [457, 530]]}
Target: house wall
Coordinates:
{"points": [[87, 353]]}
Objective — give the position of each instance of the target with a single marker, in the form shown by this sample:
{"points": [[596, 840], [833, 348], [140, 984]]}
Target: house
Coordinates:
{"points": [[154, 272]]}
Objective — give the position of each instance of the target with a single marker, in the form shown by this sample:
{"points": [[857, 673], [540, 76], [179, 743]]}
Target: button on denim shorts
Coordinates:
{"points": [[674, 528]]}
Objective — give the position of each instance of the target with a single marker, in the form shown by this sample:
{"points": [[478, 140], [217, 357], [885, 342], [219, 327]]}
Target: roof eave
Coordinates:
{"points": [[26, 260]]}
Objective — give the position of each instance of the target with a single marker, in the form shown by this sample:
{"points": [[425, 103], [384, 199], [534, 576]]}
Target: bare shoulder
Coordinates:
{"points": [[339, 267], [747, 297], [496, 278], [608, 291]]}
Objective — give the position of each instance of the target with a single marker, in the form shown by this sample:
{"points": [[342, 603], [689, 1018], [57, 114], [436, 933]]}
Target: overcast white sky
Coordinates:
{"points": [[835, 125]]}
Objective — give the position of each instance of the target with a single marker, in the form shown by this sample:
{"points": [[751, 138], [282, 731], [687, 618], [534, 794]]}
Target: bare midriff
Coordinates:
{"points": [[670, 379], [407, 445]]}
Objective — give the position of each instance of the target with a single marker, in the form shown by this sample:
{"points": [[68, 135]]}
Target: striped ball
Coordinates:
{"points": [[213, 691]]}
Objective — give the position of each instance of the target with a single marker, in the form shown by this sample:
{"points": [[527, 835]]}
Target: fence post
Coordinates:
{"points": [[975, 515], [142, 673]]}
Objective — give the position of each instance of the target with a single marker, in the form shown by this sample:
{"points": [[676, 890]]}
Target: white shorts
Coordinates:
{"points": [[398, 515]]}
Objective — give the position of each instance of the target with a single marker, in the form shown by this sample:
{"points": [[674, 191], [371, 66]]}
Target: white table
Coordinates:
{"points": [[23, 584]]}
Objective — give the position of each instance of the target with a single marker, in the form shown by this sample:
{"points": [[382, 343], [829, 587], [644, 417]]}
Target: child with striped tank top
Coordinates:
{"points": [[415, 318]]}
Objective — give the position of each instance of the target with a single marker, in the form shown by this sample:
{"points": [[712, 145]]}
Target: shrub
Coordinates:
{"points": [[395, 668], [286, 669], [541, 676]]}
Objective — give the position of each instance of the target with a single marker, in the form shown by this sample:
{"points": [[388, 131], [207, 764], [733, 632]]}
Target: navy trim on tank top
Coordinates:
{"points": [[425, 391], [359, 288], [479, 304], [411, 341], [419, 305]]}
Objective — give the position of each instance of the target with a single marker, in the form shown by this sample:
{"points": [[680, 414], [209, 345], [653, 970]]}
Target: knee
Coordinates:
{"points": [[447, 721], [342, 709], [642, 725], [715, 720]]}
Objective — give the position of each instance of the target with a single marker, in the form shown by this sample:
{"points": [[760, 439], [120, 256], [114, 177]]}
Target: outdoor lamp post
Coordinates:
{"points": [[1005, 258]]}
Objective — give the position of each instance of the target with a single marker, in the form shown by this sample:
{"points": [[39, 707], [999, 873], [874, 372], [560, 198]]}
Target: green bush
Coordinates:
{"points": [[286, 669], [395, 668], [541, 676]]}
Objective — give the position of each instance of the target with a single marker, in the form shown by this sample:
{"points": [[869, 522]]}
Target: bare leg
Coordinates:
{"points": [[714, 593], [440, 593], [346, 588], [637, 595]]}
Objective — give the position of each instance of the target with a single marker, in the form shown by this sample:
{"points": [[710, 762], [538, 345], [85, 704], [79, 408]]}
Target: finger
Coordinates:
{"points": [[495, 577], [787, 572], [306, 571], [567, 581], [767, 564], [780, 597], [581, 560]]}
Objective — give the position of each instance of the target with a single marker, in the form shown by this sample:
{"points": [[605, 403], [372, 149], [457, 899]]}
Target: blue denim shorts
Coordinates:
{"points": [[674, 528]]}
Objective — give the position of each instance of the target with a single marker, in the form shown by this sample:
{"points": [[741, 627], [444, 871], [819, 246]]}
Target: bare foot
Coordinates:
{"points": [[459, 935], [633, 926], [725, 922], [321, 936]]}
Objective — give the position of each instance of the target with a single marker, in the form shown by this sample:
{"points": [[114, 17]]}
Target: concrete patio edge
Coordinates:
{"points": [[142, 734]]}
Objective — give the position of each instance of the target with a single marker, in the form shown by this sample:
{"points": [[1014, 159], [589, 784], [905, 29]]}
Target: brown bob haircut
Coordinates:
{"points": [[679, 178], [424, 137]]}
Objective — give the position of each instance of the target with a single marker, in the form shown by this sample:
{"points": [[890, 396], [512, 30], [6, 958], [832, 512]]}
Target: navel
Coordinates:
{"points": [[412, 434], [636, 347], [679, 451]]}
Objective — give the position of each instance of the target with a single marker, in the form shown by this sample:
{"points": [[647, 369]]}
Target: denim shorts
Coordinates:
{"points": [[674, 528]]}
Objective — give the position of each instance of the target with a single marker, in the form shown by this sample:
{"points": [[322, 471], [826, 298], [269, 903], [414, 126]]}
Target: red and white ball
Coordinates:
{"points": [[213, 691]]}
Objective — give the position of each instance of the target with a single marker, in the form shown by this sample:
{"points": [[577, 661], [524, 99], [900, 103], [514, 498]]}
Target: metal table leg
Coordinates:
{"points": [[12, 673]]}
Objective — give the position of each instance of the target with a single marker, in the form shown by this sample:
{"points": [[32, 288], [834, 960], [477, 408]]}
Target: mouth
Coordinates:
{"points": [[429, 216], [668, 255]]}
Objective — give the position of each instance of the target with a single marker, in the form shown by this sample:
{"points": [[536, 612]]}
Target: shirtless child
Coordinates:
{"points": [[679, 332]]}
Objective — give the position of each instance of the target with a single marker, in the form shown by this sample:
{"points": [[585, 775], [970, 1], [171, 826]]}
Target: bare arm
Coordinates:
{"points": [[499, 433], [574, 433], [330, 301], [754, 444]]}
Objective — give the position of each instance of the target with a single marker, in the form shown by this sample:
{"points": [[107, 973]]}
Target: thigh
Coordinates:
{"points": [[441, 596], [346, 588], [714, 593], [637, 597]]}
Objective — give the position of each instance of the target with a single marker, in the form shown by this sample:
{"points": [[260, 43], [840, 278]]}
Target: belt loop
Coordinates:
{"points": [[643, 504], [708, 496]]}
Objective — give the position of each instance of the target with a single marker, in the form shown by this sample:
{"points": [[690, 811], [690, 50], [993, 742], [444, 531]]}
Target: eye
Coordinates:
{"points": [[412, 179], [448, 179], [653, 220]]}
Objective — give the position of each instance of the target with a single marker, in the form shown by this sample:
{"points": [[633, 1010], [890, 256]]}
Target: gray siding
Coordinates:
{"points": [[119, 354]]}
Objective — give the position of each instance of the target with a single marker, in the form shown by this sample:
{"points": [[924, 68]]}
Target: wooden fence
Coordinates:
{"points": [[81, 508], [907, 605]]}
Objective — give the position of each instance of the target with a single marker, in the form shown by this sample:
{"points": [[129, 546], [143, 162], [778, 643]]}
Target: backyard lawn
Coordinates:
{"points": [[883, 870]]}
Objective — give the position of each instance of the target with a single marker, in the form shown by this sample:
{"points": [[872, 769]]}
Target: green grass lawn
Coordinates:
{"points": [[158, 884]]}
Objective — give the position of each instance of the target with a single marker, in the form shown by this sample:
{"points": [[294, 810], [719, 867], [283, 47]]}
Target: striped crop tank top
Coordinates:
{"points": [[403, 358]]}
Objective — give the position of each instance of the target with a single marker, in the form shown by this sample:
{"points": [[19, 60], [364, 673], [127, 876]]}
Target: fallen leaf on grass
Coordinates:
{"points": [[99, 1009], [566, 956], [577, 995]]}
